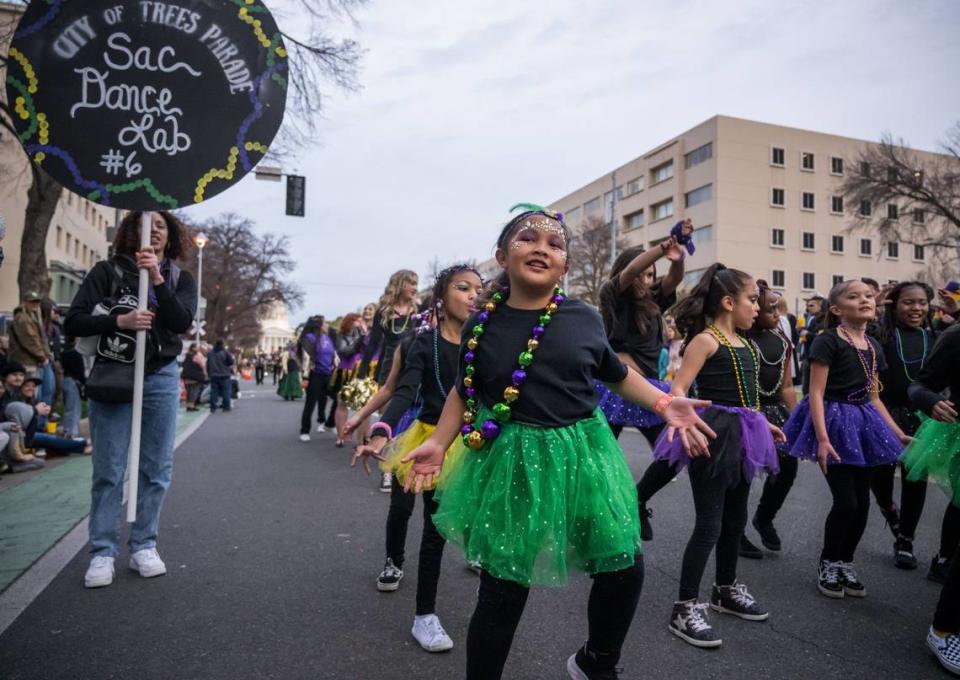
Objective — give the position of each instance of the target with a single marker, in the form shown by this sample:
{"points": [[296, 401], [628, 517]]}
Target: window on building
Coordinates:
{"points": [[635, 220], [662, 210], [866, 209], [699, 155], [808, 240], [836, 244], [592, 208], [893, 175], [84, 254], [662, 172], [86, 210], [76, 248], [836, 205], [777, 156], [809, 281], [60, 235], [778, 197], [893, 212], [837, 278], [864, 168], [806, 161], [919, 216], [807, 200], [572, 217], [836, 165], [635, 186], [699, 195], [703, 234], [866, 247], [778, 278], [918, 253], [893, 250], [69, 242], [777, 237]]}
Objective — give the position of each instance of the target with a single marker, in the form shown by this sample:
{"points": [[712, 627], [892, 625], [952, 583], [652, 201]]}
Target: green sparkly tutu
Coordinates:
{"points": [[538, 500], [935, 454]]}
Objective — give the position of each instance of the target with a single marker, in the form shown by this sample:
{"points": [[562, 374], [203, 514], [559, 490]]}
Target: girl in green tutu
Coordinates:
{"points": [[935, 454], [540, 484], [290, 387]]}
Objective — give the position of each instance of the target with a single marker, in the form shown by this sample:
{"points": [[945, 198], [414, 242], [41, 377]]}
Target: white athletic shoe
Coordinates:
{"points": [[430, 634], [386, 482], [321, 428], [99, 573], [148, 563], [304, 437]]}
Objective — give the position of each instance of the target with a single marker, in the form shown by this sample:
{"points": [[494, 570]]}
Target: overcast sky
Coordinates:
{"points": [[467, 108]]}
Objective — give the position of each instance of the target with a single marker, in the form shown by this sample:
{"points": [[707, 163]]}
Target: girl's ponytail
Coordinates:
{"points": [[703, 302]]}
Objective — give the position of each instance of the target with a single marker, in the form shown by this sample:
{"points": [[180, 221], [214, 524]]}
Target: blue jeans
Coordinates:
{"points": [[71, 407], [50, 442], [48, 389], [220, 389], [110, 431]]}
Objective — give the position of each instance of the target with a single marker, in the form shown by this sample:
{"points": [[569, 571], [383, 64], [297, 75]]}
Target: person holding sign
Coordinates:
{"points": [[106, 306]]}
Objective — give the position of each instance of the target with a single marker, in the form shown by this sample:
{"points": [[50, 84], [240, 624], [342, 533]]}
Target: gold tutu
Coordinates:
{"points": [[414, 436]]}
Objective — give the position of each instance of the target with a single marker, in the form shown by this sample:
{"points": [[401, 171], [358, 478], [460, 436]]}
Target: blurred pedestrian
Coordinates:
{"points": [[220, 365]]}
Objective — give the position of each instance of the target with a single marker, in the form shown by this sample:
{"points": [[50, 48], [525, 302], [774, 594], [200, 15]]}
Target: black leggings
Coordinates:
{"points": [[912, 496], [613, 602], [317, 385], [947, 617], [776, 488], [659, 473], [431, 543], [950, 531], [850, 487], [721, 516]]}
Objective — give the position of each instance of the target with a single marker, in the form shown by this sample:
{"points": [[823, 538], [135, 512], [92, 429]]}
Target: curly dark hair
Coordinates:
{"points": [[127, 239]]}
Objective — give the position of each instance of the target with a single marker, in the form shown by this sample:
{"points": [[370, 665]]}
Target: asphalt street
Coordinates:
{"points": [[273, 547]]}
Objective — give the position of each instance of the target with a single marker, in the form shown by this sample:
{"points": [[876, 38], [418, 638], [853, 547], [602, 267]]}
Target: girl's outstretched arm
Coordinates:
{"points": [[818, 386], [428, 457]]}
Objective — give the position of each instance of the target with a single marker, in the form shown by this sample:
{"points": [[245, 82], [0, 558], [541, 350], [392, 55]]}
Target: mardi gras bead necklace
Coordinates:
{"points": [[738, 370], [903, 358], [473, 436], [781, 363], [870, 371], [436, 361]]}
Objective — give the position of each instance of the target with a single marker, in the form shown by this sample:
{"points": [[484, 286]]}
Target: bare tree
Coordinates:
{"points": [[244, 274], [925, 194], [589, 259]]}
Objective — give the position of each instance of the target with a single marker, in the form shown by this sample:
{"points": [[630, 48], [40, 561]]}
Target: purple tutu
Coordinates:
{"points": [[857, 432], [748, 448], [620, 411], [406, 420]]}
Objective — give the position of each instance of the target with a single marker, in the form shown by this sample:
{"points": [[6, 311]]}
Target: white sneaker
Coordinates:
{"points": [[946, 649], [99, 573], [321, 428], [148, 563], [386, 482], [430, 634], [304, 437]]}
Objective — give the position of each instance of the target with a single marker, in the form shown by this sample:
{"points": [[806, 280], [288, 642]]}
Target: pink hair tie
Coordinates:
{"points": [[376, 427]]}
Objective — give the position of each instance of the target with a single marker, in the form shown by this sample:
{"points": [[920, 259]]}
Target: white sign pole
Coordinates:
{"points": [[133, 460]]}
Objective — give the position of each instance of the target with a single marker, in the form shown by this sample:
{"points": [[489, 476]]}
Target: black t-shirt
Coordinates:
{"points": [[573, 354], [846, 375], [893, 379], [717, 380], [643, 348], [772, 352], [418, 378], [384, 338], [940, 372]]}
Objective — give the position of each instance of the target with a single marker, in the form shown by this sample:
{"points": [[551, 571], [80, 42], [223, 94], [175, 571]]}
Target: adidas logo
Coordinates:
{"points": [[116, 345]]}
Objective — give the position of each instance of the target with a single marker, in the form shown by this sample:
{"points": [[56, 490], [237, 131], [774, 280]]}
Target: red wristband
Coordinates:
{"points": [[662, 403]]}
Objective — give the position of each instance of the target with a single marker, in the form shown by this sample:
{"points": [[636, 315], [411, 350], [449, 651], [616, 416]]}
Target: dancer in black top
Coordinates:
{"points": [[392, 320]]}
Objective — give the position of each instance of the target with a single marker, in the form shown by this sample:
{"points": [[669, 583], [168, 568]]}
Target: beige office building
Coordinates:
{"points": [[763, 198], [77, 238]]}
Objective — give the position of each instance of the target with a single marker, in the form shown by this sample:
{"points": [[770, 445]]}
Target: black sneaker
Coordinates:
{"points": [[849, 580], [768, 534], [748, 549], [689, 623], [581, 666], [903, 557], [389, 578], [939, 568], [829, 579], [892, 517], [646, 530], [738, 601]]}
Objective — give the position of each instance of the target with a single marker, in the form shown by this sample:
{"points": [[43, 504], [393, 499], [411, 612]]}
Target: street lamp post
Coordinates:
{"points": [[201, 240]]}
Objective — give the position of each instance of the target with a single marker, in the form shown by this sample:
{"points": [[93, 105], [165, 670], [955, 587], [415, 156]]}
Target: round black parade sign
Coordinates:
{"points": [[143, 104]]}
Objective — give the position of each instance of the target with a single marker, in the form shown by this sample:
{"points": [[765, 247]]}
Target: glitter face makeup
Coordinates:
{"points": [[543, 225]]}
